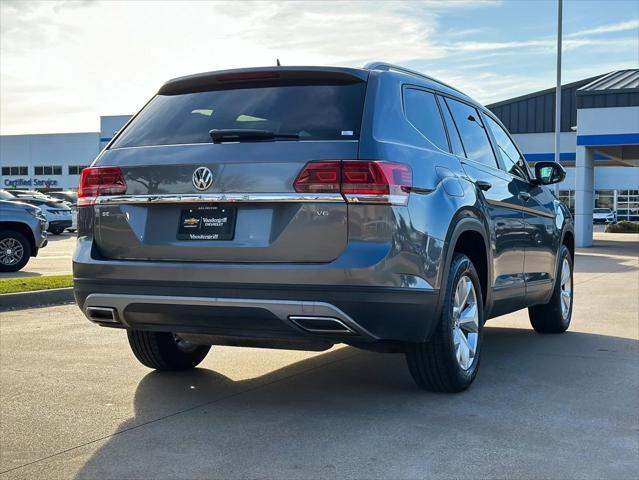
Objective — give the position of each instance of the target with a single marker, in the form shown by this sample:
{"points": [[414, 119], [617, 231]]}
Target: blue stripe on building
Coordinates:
{"points": [[563, 157], [608, 139]]}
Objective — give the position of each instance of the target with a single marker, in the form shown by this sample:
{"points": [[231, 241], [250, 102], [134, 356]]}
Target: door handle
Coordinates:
{"points": [[525, 196], [483, 185]]}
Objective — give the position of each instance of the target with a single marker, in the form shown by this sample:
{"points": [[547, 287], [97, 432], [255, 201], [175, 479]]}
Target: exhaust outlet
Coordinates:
{"points": [[324, 325], [102, 315]]}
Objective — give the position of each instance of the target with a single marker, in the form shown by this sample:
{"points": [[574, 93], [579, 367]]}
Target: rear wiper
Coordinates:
{"points": [[244, 134]]}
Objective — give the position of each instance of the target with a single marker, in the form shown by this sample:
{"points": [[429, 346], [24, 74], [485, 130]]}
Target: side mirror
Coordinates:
{"points": [[547, 173]]}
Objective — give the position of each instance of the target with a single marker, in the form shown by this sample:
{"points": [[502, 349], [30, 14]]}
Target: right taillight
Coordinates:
{"points": [[99, 181], [358, 181]]}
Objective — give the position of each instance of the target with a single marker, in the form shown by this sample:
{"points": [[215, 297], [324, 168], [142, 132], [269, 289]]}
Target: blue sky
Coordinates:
{"points": [[62, 64]]}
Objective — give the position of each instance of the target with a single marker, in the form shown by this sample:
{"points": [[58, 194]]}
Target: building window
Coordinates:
{"points": [[48, 170], [605, 199], [76, 169], [628, 205], [567, 197], [15, 171]]}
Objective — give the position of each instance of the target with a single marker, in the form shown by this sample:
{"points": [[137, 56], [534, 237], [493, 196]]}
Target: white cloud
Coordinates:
{"points": [[63, 64], [108, 58], [610, 28]]}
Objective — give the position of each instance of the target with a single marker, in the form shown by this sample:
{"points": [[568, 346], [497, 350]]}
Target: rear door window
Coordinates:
{"points": [[453, 133], [513, 161], [314, 112], [473, 133], [423, 114]]}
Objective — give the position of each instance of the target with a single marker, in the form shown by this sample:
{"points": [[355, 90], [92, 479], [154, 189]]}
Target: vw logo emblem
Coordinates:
{"points": [[202, 178]]}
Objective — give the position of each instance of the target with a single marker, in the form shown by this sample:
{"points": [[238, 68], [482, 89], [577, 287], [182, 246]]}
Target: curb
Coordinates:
{"points": [[37, 298]]}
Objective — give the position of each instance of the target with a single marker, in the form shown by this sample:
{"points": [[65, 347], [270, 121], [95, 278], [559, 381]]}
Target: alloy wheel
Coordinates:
{"points": [[566, 289], [465, 322], [11, 251]]}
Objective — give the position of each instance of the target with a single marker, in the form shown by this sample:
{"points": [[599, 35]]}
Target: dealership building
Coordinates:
{"points": [[599, 146], [599, 142]]}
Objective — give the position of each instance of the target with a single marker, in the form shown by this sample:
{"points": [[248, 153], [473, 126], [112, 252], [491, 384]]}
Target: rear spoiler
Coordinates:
{"points": [[263, 76]]}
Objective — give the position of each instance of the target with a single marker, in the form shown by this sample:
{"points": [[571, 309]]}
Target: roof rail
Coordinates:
{"points": [[389, 66]]}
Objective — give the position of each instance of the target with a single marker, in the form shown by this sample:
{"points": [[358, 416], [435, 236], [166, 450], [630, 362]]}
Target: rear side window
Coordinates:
{"points": [[423, 113], [513, 161], [314, 112], [472, 132]]}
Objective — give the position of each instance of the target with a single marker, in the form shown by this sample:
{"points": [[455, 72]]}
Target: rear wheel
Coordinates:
{"points": [[15, 251], [165, 351], [56, 230], [554, 317], [449, 361]]}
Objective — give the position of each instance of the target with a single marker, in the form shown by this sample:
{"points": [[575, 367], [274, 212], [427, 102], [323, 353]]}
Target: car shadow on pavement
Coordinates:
{"points": [[349, 410]]}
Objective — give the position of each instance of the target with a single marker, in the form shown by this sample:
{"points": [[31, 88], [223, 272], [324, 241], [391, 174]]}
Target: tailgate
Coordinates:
{"points": [[251, 205]]}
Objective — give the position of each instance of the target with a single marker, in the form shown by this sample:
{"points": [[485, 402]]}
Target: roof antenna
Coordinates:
{"points": [[278, 62]]}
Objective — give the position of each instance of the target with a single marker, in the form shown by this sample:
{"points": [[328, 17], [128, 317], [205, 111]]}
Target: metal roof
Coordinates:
{"points": [[552, 90], [619, 80], [535, 112]]}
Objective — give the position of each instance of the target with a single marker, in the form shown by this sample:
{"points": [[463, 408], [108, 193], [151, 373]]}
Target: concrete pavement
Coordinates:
{"points": [[75, 403]]}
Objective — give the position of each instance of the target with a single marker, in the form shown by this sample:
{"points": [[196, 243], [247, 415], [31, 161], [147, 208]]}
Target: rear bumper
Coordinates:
{"points": [[263, 312]]}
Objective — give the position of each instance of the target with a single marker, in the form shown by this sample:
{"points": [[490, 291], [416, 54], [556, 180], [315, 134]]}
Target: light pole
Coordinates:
{"points": [[558, 91]]}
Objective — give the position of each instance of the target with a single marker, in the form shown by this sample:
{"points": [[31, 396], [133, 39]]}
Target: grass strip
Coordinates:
{"points": [[29, 284]]}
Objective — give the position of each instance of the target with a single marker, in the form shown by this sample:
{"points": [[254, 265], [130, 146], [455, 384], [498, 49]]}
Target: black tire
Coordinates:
{"points": [[12, 236], [56, 231], [160, 350], [550, 318], [433, 364]]}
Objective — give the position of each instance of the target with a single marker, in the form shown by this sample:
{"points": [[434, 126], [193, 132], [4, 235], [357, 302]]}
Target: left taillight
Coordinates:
{"points": [[98, 182]]}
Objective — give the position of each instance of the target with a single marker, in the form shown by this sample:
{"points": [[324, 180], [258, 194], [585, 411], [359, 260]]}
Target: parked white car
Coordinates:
{"points": [[57, 213], [604, 215]]}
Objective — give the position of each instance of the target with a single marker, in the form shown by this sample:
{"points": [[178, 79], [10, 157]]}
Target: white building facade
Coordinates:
{"points": [[52, 161]]}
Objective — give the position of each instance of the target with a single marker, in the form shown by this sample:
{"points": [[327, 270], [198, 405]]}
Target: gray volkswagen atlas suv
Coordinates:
{"points": [[300, 207]]}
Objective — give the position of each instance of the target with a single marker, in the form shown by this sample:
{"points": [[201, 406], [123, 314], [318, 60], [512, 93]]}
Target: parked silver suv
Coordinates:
{"points": [[299, 207], [23, 232]]}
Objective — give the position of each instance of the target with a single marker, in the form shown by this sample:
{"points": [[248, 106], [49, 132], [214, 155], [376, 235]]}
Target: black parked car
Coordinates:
{"points": [[299, 207]]}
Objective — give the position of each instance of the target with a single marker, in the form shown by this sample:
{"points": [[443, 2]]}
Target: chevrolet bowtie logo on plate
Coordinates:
{"points": [[191, 221], [202, 178]]}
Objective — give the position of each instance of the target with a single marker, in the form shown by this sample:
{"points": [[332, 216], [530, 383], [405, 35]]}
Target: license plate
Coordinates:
{"points": [[207, 223]]}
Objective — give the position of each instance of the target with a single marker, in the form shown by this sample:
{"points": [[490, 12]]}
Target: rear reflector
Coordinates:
{"points": [[100, 181], [359, 181]]}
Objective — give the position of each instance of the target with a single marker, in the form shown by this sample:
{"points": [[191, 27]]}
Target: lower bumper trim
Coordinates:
{"points": [[130, 310]]}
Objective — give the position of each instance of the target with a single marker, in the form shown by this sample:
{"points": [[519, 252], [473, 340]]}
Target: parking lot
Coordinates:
{"points": [[76, 404]]}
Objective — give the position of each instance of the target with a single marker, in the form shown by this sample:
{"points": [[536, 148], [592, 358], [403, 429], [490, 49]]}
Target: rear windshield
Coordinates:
{"points": [[314, 112]]}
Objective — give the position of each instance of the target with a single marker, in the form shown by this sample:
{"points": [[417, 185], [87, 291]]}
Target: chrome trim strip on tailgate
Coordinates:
{"points": [[221, 198]]}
